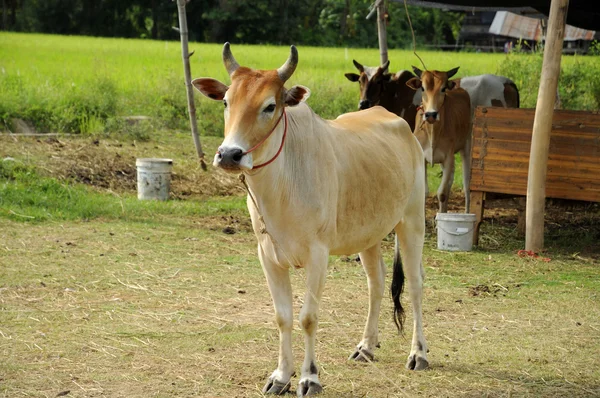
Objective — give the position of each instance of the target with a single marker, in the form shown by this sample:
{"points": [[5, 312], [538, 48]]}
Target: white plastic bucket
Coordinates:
{"points": [[455, 231], [153, 178]]}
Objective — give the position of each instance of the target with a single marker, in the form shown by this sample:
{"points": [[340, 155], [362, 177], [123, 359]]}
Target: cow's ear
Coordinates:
{"points": [[212, 88], [452, 72], [414, 83], [353, 77], [451, 84], [296, 95]]}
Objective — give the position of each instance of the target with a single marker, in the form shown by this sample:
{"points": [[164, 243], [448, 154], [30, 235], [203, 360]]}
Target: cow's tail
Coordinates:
{"points": [[397, 287]]}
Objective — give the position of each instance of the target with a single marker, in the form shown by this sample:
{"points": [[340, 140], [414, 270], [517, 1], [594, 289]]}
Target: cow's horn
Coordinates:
{"points": [[230, 63], [286, 71], [358, 66]]}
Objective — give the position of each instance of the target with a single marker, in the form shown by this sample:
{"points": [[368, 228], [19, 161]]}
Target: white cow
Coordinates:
{"points": [[322, 187]]}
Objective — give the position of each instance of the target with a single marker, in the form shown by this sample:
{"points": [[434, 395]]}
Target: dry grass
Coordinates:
{"points": [[180, 308], [133, 310]]}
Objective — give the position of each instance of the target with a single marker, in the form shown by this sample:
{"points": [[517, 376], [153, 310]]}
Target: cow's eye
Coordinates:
{"points": [[422, 88], [269, 108], [225, 103], [444, 89]]}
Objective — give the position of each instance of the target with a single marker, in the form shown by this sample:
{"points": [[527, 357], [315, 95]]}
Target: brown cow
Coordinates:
{"points": [[443, 127]]}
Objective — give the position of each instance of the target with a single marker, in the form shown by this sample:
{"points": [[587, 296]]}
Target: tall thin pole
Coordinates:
{"points": [[382, 32], [542, 125], [185, 55]]}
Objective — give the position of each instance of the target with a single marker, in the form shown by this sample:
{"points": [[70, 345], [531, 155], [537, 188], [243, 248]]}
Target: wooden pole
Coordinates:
{"points": [[185, 55], [542, 125], [382, 32]]}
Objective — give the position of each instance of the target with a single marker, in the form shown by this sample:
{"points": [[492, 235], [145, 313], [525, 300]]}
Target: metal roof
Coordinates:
{"points": [[583, 14]]}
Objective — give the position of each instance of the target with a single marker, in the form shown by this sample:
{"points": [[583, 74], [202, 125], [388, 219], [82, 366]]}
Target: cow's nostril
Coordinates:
{"points": [[237, 156]]}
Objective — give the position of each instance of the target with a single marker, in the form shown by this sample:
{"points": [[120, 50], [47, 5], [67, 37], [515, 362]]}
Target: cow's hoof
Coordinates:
{"points": [[416, 363], [362, 355], [276, 387], [308, 388]]}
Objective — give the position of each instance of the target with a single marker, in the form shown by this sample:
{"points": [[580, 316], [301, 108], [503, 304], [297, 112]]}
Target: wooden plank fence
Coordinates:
{"points": [[500, 155]]}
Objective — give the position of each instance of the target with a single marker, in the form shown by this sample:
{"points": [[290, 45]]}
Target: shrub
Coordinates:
{"points": [[578, 85]]}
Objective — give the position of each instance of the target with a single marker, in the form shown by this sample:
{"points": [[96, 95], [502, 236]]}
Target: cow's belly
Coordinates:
{"points": [[362, 227], [354, 241]]}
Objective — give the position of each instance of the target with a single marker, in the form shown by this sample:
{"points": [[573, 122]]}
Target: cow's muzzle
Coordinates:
{"points": [[364, 104], [229, 158], [431, 117]]}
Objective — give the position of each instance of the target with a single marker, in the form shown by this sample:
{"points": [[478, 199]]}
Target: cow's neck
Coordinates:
{"points": [[277, 185], [397, 97], [388, 95], [434, 136]]}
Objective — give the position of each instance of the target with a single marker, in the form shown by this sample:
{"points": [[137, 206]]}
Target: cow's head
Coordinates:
{"points": [[434, 85], [254, 103], [371, 80]]}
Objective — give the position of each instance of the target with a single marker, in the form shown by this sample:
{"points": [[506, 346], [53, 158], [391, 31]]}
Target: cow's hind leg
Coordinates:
{"points": [[410, 235], [278, 279], [316, 271], [375, 269]]}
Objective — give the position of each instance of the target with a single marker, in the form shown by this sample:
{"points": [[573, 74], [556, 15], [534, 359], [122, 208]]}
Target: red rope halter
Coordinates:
{"points": [[266, 137]]}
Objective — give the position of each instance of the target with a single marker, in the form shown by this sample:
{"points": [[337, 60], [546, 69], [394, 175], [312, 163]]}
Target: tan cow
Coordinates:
{"points": [[322, 187], [443, 127]]}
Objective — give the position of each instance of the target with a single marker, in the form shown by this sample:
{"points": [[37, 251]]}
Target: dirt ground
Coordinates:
{"points": [[109, 165]]}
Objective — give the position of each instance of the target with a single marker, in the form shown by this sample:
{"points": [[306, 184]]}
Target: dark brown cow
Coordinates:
{"points": [[378, 87]]}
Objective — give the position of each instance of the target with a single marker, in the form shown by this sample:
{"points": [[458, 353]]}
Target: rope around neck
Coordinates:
{"points": [[267, 136]]}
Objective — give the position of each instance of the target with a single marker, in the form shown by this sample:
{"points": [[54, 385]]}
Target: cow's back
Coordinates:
{"points": [[489, 90]]}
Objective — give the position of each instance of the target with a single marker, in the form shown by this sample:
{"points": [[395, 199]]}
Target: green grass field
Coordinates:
{"points": [[82, 84], [105, 295]]}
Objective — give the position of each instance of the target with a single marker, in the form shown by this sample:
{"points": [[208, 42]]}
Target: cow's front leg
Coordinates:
{"points": [[316, 271], [465, 155], [278, 279], [443, 193]]}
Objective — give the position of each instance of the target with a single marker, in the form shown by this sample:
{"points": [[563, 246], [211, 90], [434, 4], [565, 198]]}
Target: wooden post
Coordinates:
{"points": [[185, 55], [542, 125], [477, 206], [382, 32]]}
